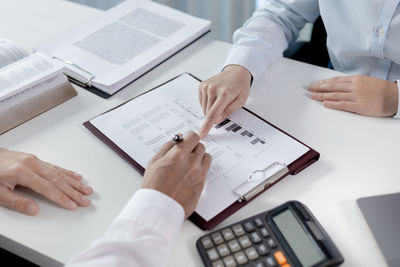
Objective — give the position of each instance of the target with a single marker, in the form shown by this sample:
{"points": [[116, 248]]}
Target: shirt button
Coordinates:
{"points": [[381, 31]]}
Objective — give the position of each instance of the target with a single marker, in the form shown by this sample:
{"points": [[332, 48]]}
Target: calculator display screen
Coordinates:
{"points": [[301, 243]]}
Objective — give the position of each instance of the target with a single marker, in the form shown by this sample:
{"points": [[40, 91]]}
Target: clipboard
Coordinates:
{"points": [[245, 192]]}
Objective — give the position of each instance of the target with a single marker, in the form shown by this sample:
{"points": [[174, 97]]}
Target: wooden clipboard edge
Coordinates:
{"points": [[114, 147], [294, 168], [105, 95]]}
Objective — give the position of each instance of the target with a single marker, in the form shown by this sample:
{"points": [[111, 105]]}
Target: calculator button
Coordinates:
{"points": [[241, 258], [264, 232], [228, 235], [238, 230], [218, 263], [244, 241], [229, 261], [280, 258], [249, 227], [217, 237], [263, 249], [212, 254], [270, 262], [251, 253], [255, 238], [271, 243], [223, 250], [259, 222], [259, 264], [207, 243], [286, 265], [234, 245]]}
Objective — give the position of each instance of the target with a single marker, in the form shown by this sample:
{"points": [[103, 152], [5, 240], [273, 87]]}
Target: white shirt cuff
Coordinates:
{"points": [[250, 58], [397, 116], [156, 211]]}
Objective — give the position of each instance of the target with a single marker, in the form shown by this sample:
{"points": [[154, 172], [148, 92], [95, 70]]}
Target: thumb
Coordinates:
{"points": [[16, 202]]}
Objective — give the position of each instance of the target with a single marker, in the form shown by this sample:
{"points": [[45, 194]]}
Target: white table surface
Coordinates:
{"points": [[359, 155]]}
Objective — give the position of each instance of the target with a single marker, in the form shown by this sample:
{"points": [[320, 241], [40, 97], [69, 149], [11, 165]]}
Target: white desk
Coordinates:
{"points": [[359, 155]]}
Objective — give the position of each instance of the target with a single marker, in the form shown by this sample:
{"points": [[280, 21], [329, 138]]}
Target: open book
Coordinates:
{"points": [[124, 43], [29, 85], [248, 153]]}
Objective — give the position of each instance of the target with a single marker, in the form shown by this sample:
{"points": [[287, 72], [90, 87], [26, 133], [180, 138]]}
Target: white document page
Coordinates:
{"points": [[25, 73], [10, 52], [238, 146], [126, 42]]}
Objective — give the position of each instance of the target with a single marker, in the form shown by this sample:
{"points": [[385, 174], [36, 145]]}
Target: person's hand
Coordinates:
{"points": [[359, 94], [62, 186], [179, 171], [223, 94]]}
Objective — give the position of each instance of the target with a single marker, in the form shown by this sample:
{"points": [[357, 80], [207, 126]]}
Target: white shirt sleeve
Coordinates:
{"points": [[397, 116], [265, 36], [141, 235]]}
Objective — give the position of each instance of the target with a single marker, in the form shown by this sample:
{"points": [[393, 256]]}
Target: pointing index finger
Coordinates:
{"points": [[213, 115]]}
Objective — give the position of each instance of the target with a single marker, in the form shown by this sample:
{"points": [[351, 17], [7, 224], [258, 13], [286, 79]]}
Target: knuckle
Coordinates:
{"points": [[203, 86], [202, 147], [59, 182], [16, 168], [225, 93], [227, 111], [213, 116], [211, 89], [28, 158], [195, 136]]}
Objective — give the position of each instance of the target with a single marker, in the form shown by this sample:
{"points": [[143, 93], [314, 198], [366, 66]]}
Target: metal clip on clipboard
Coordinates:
{"points": [[253, 185], [79, 81]]}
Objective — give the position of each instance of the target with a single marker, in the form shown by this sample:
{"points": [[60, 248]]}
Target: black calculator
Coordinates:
{"points": [[288, 235]]}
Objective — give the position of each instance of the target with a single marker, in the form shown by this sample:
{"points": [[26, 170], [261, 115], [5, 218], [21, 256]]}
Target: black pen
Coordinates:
{"points": [[177, 138]]}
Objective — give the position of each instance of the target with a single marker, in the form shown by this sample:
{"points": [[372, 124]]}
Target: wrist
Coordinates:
{"points": [[397, 100], [240, 72], [392, 102]]}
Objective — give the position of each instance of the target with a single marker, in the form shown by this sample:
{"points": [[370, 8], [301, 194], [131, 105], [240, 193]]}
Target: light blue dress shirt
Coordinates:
{"points": [[363, 35]]}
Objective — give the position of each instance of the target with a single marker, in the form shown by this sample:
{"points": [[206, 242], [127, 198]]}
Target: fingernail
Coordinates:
{"points": [[85, 200], [72, 205], [87, 188], [77, 175], [31, 209]]}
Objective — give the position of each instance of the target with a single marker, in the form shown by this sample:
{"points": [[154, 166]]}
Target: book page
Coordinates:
{"points": [[26, 72], [238, 146], [10, 52], [32, 91], [126, 42]]}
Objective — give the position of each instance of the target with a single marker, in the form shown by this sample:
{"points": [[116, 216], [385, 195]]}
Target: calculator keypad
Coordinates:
{"points": [[248, 243], [238, 230]]}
